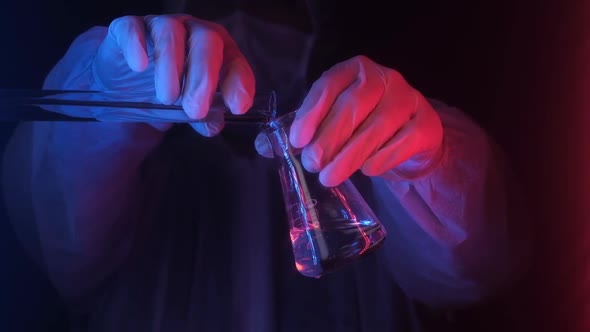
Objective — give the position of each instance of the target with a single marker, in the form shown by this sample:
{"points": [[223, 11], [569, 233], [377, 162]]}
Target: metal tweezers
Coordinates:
{"points": [[92, 106]]}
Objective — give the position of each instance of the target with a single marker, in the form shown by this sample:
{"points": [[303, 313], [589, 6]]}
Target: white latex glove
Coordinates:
{"points": [[361, 115], [176, 56]]}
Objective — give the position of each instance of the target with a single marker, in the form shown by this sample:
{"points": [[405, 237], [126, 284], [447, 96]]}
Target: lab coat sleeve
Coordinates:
{"points": [[73, 190], [457, 230]]}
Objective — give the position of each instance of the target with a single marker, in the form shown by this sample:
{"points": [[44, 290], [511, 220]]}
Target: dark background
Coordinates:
{"points": [[519, 68]]}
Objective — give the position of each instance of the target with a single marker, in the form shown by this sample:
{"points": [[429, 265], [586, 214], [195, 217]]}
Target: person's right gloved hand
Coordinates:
{"points": [[179, 58]]}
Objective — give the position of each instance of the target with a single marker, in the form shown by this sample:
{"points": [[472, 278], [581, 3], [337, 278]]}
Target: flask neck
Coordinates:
{"points": [[277, 131]]}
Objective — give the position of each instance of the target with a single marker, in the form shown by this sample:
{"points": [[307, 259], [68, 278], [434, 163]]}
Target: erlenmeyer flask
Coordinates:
{"points": [[330, 227]]}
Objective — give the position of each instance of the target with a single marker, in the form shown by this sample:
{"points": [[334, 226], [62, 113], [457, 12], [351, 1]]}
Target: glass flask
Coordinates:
{"points": [[330, 227]]}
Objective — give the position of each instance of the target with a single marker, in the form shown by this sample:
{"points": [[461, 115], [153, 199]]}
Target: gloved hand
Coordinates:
{"points": [[361, 115], [181, 59]]}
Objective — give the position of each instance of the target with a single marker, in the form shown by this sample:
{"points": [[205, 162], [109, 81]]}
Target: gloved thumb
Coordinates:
{"points": [[263, 146], [211, 125]]}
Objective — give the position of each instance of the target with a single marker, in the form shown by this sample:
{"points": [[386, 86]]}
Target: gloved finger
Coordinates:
{"points": [[420, 137], [320, 99], [127, 36], [263, 146], [237, 80], [203, 64], [211, 125], [168, 35], [388, 117], [237, 85], [350, 109]]}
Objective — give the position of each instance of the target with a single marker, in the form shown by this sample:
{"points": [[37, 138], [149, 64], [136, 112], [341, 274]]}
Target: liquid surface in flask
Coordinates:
{"points": [[344, 241]]}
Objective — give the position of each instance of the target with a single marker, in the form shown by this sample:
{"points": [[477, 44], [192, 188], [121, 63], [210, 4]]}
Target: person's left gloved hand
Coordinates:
{"points": [[361, 115]]}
